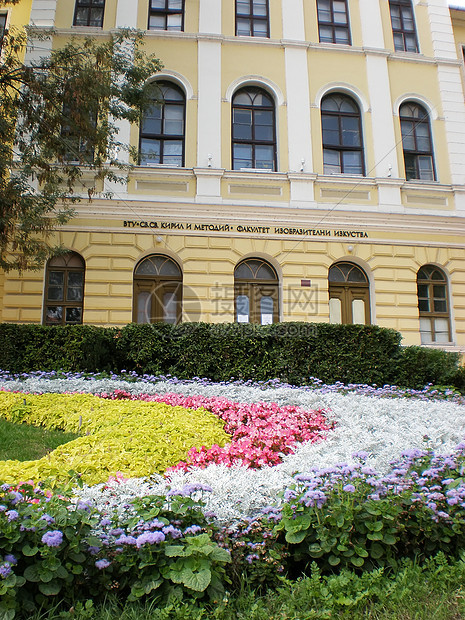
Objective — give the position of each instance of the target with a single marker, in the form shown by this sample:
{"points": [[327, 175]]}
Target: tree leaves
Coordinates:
{"points": [[59, 138]]}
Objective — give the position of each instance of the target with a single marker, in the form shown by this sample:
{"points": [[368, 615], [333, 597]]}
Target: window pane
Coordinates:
{"points": [[152, 120], [150, 151], [259, 8], [260, 28], [425, 330], [264, 156], [340, 13], [242, 156], [243, 7], [335, 310], [350, 131], [81, 17], [358, 312], [54, 314], [395, 17], [175, 5], [143, 307], [410, 43], [243, 28], [331, 162], [56, 278], [73, 315], [441, 330], [266, 310], [170, 304], [242, 305], [158, 4], [326, 34], [263, 125], [352, 162], [174, 22], [55, 293], [341, 35], [399, 45], [96, 17], [174, 120], [410, 167], [157, 22], [324, 11], [242, 125], [172, 153], [330, 125], [425, 166]]}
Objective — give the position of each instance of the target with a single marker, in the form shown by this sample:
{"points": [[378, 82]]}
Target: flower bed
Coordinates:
{"points": [[138, 439], [348, 501]]}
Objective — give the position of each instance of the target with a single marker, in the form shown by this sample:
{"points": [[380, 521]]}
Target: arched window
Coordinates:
{"points": [[64, 290], [349, 294], [253, 129], [256, 292], [433, 305], [342, 135], [162, 133], [157, 290], [416, 142]]}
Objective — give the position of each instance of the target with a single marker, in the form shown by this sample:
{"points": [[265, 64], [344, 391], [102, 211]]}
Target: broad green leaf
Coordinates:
{"points": [[295, 537], [175, 551], [356, 561], [389, 539], [51, 588], [218, 554], [29, 551], [32, 573], [198, 581]]}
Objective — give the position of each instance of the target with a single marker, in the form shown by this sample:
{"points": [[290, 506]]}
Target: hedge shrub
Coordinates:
{"points": [[292, 352]]}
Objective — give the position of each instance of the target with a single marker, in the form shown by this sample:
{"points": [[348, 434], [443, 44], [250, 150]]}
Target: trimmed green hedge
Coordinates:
{"points": [[292, 352]]}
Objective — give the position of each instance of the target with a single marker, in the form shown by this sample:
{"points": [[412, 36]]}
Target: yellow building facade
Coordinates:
{"points": [[304, 161]]}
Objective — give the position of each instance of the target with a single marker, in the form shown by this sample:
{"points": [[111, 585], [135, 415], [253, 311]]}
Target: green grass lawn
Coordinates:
{"points": [[22, 442]]}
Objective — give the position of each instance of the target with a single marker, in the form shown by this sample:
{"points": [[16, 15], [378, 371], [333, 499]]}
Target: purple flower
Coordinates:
{"points": [[47, 518], [105, 522], [174, 532], [2, 508], [53, 538], [348, 488], [193, 529], [152, 538], [11, 559], [125, 540], [101, 564], [5, 570], [12, 514]]}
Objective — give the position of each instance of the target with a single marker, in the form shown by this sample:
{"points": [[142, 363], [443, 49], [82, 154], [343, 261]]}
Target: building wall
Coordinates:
{"points": [[209, 217]]}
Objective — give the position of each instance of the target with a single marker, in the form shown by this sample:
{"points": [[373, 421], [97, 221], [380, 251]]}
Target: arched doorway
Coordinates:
{"points": [[349, 294]]}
